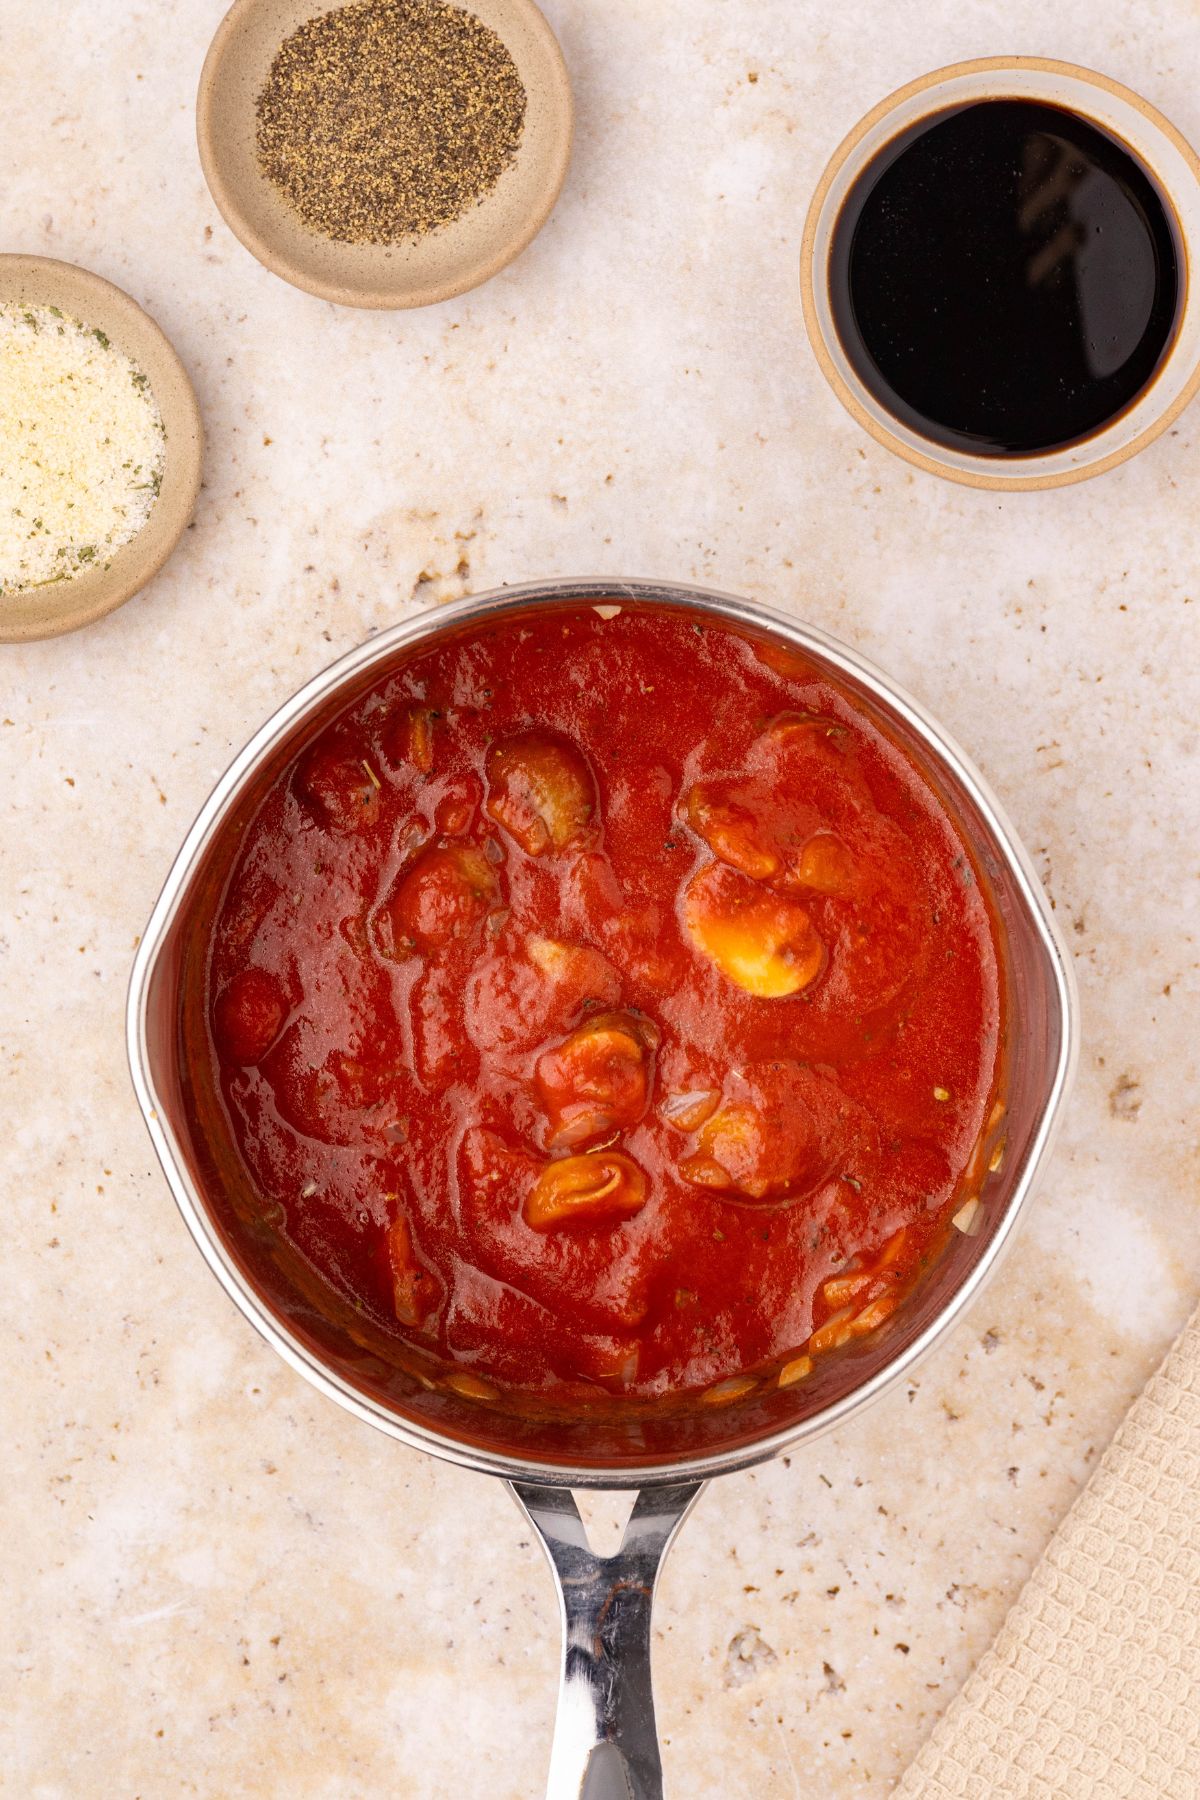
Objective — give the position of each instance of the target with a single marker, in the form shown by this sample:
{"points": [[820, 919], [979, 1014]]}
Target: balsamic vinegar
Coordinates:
{"points": [[1005, 277]]}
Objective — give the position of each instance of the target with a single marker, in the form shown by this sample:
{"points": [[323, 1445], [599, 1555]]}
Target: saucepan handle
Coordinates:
{"points": [[605, 1740]]}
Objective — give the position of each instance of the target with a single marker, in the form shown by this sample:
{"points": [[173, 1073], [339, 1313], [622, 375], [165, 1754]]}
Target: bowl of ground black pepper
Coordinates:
{"points": [[385, 153], [101, 446]]}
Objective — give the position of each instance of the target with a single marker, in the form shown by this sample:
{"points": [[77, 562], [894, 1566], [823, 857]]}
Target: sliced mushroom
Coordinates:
{"points": [[248, 1016], [603, 1188], [731, 832], [597, 1080], [765, 943], [574, 966], [825, 865], [541, 791], [525, 991], [339, 785], [771, 1138], [456, 808], [445, 894], [735, 1151]]}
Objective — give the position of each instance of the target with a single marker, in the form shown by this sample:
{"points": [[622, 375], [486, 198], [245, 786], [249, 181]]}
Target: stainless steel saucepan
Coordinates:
{"points": [[605, 1745]]}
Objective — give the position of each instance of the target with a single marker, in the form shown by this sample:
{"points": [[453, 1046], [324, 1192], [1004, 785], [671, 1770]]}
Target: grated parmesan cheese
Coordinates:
{"points": [[82, 448]]}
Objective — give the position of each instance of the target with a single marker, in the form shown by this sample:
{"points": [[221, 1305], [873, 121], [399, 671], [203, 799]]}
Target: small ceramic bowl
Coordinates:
{"points": [[47, 611], [1125, 116], [460, 255]]}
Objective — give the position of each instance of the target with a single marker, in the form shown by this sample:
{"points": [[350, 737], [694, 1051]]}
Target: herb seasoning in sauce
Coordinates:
{"points": [[1005, 277], [386, 119]]}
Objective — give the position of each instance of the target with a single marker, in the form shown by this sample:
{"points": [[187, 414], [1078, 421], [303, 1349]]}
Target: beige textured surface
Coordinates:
{"points": [[1093, 1686], [212, 1582]]}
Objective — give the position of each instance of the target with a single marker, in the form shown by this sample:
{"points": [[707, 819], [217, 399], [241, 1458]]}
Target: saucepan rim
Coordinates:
{"points": [[345, 672]]}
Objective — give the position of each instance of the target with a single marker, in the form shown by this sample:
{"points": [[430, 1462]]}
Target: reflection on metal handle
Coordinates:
{"points": [[605, 1741]]}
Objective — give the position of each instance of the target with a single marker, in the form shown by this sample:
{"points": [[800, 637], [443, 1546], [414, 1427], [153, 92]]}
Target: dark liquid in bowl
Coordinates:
{"points": [[1005, 277]]}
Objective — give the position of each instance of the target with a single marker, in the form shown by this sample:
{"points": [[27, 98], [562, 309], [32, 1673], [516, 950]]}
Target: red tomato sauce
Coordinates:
{"points": [[609, 1005]]}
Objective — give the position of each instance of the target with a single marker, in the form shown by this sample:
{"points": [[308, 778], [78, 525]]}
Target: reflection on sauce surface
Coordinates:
{"points": [[607, 1004]]}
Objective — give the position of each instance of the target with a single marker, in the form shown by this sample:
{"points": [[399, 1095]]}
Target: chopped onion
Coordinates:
{"points": [[967, 1217], [690, 1110], [725, 1391], [798, 1369], [470, 1386]]}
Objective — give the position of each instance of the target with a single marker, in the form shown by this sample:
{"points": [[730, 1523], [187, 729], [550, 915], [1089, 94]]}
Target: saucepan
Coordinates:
{"points": [[605, 1744]]}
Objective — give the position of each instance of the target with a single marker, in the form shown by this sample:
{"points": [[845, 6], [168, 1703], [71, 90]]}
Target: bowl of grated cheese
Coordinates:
{"points": [[101, 447]]}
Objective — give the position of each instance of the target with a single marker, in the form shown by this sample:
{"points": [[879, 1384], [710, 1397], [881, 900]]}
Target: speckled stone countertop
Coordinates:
{"points": [[214, 1582]]}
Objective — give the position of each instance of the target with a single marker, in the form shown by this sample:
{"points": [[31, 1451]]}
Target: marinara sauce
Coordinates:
{"points": [[605, 1002]]}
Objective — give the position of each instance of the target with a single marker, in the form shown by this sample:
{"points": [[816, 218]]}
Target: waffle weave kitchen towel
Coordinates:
{"points": [[1092, 1689]]}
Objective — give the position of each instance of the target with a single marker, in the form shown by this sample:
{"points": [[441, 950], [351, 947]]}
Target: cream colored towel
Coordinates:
{"points": [[1092, 1689]]}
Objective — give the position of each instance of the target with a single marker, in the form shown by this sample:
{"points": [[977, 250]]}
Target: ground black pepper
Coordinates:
{"points": [[386, 119]]}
